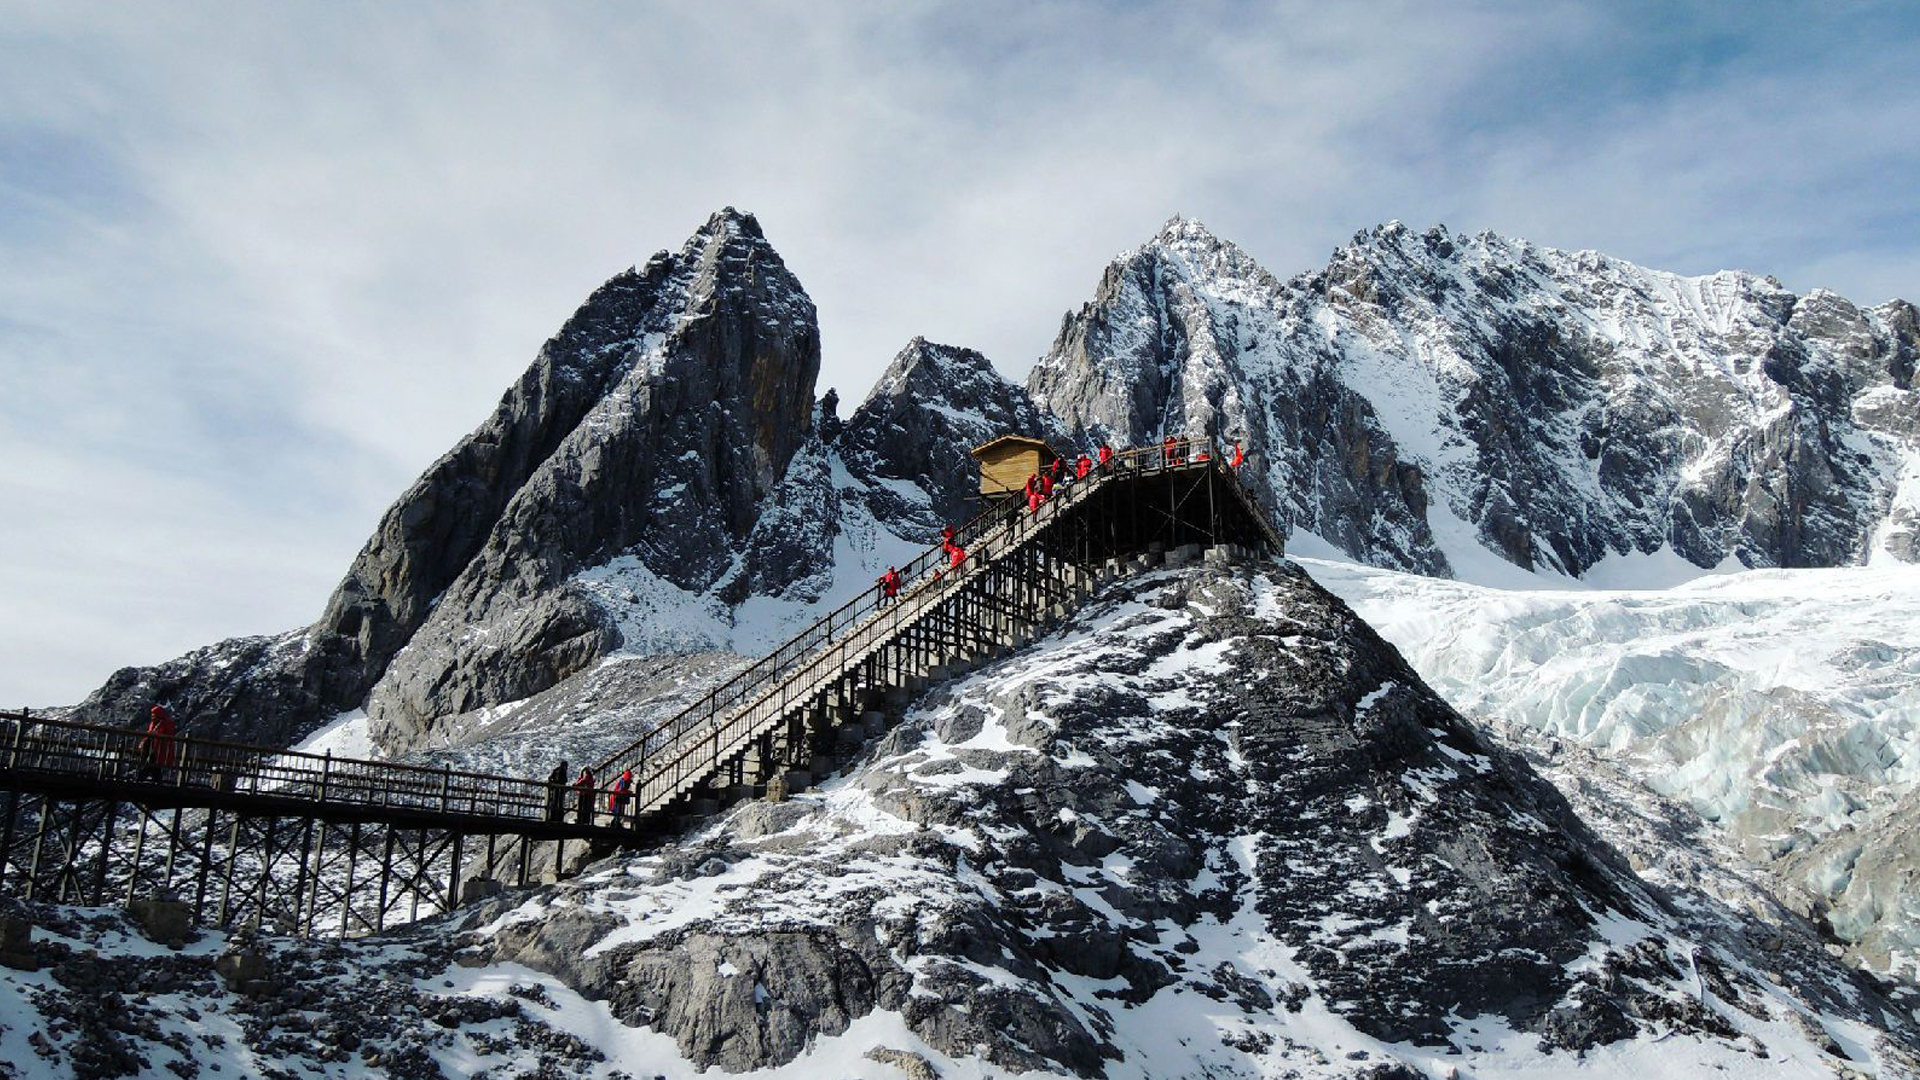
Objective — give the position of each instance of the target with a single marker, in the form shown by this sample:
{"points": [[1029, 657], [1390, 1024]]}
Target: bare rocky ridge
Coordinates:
{"points": [[678, 391], [1560, 406]]}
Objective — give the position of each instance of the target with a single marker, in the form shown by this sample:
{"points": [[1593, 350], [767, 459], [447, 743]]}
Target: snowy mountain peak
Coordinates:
{"points": [[1189, 250], [931, 406], [1481, 405], [1180, 229]]}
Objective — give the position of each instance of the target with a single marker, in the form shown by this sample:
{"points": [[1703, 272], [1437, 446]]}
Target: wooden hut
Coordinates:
{"points": [[1006, 462]]}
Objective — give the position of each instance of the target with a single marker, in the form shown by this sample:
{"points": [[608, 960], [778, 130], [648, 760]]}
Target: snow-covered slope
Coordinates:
{"points": [[1454, 404], [1782, 705], [1211, 827]]}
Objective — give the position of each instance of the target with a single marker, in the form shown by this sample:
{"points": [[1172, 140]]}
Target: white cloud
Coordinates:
{"points": [[260, 264]]}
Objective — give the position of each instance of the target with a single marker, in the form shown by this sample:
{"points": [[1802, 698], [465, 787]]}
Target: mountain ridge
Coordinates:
{"points": [[811, 505], [1413, 385]]}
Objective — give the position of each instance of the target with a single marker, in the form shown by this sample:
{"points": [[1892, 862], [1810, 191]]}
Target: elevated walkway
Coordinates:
{"points": [[244, 835]]}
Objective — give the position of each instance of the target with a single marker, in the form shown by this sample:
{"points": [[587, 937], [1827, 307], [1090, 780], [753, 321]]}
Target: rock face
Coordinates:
{"points": [[933, 404], [1427, 398], [271, 689], [1214, 826], [710, 357], [653, 426]]}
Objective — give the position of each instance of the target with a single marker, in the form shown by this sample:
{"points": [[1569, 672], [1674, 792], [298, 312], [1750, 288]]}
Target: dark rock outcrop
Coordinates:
{"points": [[262, 689], [932, 405], [654, 424], [710, 395]]}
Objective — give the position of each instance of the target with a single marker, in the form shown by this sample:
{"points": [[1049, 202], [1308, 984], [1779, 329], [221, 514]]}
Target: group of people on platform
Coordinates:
{"points": [[1040, 487], [586, 795]]}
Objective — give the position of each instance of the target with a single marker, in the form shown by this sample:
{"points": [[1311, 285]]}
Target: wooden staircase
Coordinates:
{"points": [[848, 675]]}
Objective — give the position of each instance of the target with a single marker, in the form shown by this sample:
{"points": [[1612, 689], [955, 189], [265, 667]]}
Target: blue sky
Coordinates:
{"points": [[260, 264]]}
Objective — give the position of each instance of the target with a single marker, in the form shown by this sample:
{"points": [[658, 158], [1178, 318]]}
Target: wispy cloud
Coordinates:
{"points": [[260, 264]]}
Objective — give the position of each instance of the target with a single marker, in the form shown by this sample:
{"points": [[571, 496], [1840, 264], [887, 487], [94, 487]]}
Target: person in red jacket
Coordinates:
{"points": [[158, 748], [889, 584], [1238, 455], [1046, 485], [1082, 467], [1033, 500], [947, 535], [617, 800], [956, 555], [1106, 456], [1169, 451], [583, 795]]}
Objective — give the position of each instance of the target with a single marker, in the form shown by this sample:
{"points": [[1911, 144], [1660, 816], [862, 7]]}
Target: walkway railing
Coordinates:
{"points": [[66, 750]]}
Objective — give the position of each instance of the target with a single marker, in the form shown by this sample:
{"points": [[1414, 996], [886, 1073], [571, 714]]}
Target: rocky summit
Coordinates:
{"points": [[689, 380]]}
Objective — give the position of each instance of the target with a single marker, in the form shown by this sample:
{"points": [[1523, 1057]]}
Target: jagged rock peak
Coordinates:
{"points": [[1565, 406], [728, 220], [706, 395], [928, 368], [932, 404], [653, 425], [1181, 229], [1192, 251]]}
